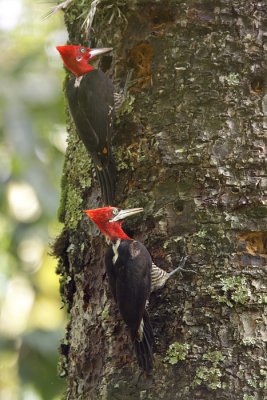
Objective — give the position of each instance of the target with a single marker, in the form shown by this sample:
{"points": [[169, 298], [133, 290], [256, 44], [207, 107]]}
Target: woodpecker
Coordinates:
{"points": [[132, 276], [90, 95]]}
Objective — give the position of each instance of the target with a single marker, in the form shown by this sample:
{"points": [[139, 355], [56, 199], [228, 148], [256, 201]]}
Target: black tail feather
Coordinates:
{"points": [[106, 177], [143, 347]]}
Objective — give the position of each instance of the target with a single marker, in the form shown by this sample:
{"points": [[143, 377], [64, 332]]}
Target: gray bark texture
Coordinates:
{"points": [[189, 148]]}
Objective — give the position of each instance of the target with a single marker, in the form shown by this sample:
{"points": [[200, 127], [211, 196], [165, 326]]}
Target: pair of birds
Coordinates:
{"points": [[131, 273]]}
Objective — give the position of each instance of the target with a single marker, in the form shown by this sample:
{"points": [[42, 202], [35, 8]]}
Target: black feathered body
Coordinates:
{"points": [[91, 102], [128, 265]]}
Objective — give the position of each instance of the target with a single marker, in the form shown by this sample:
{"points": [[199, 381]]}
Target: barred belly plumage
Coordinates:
{"points": [[158, 277]]}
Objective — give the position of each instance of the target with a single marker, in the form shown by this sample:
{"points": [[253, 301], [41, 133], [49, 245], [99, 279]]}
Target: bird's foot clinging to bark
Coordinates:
{"points": [[181, 268]]}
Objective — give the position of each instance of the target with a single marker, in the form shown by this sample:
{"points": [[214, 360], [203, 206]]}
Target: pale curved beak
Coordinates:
{"points": [[98, 52], [126, 213]]}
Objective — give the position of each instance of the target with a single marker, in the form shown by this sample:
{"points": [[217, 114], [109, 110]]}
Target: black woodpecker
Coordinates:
{"points": [[90, 95], [132, 276]]}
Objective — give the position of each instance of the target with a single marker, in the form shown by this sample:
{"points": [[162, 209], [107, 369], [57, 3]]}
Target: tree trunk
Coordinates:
{"points": [[189, 148]]}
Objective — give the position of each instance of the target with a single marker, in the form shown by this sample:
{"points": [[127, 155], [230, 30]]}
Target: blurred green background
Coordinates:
{"points": [[33, 141]]}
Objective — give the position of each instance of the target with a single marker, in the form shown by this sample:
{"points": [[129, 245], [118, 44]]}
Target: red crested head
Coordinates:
{"points": [[110, 219], [76, 58]]}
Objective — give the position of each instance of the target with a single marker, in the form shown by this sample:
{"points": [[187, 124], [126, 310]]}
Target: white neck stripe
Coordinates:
{"points": [[115, 247]]}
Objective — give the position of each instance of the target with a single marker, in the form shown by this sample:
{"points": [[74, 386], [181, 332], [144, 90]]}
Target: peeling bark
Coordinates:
{"points": [[189, 147]]}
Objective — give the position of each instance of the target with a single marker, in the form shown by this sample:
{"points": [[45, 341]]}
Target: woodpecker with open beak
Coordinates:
{"points": [[90, 95], [132, 276]]}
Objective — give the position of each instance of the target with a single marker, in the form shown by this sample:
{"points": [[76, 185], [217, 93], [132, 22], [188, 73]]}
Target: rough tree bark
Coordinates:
{"points": [[189, 148]]}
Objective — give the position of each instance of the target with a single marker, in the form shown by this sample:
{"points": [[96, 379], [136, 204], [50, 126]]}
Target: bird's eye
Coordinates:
{"points": [[82, 50], [79, 58], [115, 211]]}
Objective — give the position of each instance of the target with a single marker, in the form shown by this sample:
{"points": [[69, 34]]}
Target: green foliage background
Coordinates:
{"points": [[32, 134]]}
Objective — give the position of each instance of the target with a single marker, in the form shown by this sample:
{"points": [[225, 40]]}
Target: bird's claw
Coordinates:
{"points": [[180, 267], [186, 270], [182, 262]]}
